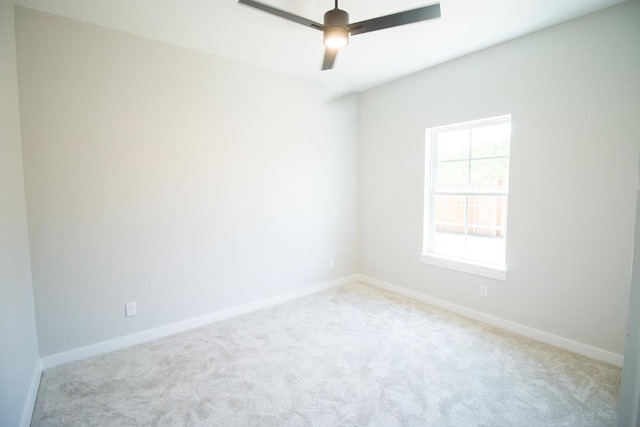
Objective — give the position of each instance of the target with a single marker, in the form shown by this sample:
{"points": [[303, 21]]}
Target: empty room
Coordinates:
{"points": [[319, 213]]}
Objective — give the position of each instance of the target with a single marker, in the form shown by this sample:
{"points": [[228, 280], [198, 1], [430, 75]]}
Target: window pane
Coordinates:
{"points": [[486, 215], [453, 175], [486, 229], [449, 239], [491, 141], [449, 244], [450, 214], [490, 174], [453, 145]]}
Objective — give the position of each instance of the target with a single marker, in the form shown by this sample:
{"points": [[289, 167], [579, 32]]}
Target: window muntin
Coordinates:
{"points": [[467, 190]]}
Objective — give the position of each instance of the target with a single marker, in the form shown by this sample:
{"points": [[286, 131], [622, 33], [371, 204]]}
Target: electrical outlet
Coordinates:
{"points": [[484, 291], [131, 309], [332, 263]]}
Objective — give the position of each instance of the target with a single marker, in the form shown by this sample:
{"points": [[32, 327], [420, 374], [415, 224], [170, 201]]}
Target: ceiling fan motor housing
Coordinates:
{"points": [[336, 21]]}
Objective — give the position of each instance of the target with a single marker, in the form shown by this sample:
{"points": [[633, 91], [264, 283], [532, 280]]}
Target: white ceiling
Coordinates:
{"points": [[238, 32]]}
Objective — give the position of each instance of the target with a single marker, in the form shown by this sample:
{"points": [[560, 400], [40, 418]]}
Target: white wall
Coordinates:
{"points": [[19, 353], [173, 178], [574, 94]]}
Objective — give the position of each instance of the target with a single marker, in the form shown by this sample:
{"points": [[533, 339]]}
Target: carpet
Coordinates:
{"points": [[350, 356]]}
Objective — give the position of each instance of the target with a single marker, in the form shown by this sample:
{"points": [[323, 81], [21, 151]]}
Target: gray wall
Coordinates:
{"points": [[170, 177], [19, 353], [574, 94]]}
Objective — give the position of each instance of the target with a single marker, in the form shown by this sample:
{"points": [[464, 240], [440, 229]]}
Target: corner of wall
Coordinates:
{"points": [[30, 402]]}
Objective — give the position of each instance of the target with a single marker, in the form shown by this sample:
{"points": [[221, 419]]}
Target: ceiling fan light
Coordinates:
{"points": [[336, 37]]}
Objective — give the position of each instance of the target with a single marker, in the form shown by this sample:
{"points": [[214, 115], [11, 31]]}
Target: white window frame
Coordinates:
{"points": [[498, 272]]}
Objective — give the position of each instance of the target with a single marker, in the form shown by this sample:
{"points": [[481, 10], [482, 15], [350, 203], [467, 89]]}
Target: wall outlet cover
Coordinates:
{"points": [[131, 309], [484, 291]]}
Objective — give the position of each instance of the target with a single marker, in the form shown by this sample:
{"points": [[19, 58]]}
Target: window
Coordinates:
{"points": [[466, 196]]}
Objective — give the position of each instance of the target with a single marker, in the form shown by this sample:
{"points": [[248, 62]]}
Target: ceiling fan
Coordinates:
{"points": [[336, 27]]}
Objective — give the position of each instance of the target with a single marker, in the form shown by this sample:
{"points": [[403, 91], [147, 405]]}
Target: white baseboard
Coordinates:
{"points": [[144, 336], [564, 343], [30, 403]]}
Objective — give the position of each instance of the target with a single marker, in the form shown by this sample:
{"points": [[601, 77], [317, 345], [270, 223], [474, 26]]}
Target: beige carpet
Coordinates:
{"points": [[352, 356]]}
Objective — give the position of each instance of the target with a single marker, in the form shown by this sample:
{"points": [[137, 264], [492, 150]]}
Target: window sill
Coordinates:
{"points": [[470, 267]]}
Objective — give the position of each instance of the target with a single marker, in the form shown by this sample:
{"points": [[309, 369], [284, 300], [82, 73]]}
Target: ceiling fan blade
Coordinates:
{"points": [[283, 14], [329, 58], [401, 18]]}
